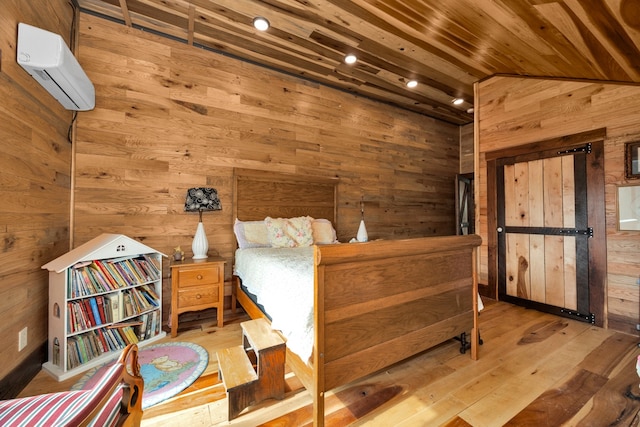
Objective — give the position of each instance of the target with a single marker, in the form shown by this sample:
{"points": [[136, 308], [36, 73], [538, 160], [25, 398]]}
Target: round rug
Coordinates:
{"points": [[166, 368]]}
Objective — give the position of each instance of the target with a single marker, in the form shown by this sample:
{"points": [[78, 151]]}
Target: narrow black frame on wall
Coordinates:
{"points": [[632, 160]]}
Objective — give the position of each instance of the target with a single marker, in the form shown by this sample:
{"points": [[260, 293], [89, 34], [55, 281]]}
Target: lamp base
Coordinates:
{"points": [[200, 244], [362, 235]]}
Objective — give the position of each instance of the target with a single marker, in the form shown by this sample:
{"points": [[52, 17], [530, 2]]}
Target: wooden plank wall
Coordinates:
{"points": [[466, 148], [514, 111], [35, 182], [171, 116]]}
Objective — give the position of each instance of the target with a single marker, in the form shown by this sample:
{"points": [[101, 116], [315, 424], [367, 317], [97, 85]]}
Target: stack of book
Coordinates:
{"points": [[99, 276], [82, 348]]}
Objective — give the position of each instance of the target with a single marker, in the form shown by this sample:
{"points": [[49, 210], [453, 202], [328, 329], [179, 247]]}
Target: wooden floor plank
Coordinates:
{"points": [[609, 354], [617, 402], [560, 404]]}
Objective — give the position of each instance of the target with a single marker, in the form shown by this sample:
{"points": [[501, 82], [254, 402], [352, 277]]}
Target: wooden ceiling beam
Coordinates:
{"points": [[192, 18], [125, 13]]}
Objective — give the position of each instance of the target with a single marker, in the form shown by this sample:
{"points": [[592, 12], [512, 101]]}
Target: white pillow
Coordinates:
{"points": [[323, 232], [251, 234]]}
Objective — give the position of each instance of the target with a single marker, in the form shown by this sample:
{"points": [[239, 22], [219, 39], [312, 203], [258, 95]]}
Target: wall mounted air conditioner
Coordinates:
{"points": [[46, 57]]}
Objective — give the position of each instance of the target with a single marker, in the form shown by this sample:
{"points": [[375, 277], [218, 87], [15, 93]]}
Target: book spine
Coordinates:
{"points": [[100, 304], [95, 312]]}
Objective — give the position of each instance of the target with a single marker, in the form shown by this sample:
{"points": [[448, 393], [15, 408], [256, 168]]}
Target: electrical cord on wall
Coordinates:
{"points": [[69, 133], [72, 37]]}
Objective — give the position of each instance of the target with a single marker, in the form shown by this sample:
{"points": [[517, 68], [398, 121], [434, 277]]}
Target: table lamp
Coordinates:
{"points": [[198, 200]]}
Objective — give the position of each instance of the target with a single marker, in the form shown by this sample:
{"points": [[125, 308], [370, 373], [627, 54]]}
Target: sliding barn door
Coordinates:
{"points": [[543, 231]]}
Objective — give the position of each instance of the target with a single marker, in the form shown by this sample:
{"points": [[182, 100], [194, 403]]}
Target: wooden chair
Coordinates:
{"points": [[115, 400]]}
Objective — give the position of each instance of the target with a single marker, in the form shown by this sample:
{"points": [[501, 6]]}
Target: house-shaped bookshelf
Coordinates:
{"points": [[103, 295]]}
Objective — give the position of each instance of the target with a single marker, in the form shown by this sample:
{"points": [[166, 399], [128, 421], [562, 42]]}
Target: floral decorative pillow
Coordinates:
{"points": [[289, 232]]}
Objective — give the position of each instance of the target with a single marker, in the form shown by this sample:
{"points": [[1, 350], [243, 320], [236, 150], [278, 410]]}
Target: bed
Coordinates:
{"points": [[374, 303]]}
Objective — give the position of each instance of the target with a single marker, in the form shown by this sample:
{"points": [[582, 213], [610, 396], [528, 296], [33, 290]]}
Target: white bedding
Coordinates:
{"points": [[282, 280]]}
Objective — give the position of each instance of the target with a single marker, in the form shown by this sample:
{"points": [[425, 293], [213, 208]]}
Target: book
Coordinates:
{"points": [[83, 308], [103, 341], [115, 304], [82, 349], [128, 304], [154, 323], [107, 310], [96, 312], [76, 325], [141, 329], [100, 303]]}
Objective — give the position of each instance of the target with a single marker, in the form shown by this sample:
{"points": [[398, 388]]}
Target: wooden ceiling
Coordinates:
{"points": [[446, 45]]}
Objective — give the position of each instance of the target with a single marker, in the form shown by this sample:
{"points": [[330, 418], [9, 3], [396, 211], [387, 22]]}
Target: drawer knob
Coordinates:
{"points": [[198, 296], [199, 277]]}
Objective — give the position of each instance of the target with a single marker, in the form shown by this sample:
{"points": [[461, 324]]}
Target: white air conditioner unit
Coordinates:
{"points": [[46, 57]]}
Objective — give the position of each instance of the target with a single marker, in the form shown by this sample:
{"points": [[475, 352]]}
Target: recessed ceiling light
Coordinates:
{"points": [[412, 83], [350, 59], [457, 101], [260, 23]]}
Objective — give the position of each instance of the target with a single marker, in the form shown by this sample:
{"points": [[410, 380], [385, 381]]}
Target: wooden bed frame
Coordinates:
{"points": [[376, 303]]}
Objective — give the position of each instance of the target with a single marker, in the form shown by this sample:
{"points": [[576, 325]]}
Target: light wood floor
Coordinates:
{"points": [[534, 369]]}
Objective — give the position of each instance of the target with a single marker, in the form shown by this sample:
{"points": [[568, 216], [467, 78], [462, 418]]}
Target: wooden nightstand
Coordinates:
{"points": [[196, 285]]}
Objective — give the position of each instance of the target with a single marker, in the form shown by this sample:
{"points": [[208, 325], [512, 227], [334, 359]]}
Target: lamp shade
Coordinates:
{"points": [[198, 200], [202, 199]]}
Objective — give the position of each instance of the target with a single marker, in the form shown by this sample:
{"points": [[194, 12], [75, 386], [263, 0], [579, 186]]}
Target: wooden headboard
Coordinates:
{"points": [[258, 194]]}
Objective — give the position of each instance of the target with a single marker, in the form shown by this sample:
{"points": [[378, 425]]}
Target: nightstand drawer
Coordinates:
{"points": [[198, 296], [198, 277]]}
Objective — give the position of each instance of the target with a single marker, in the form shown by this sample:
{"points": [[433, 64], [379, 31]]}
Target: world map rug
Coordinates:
{"points": [[167, 369]]}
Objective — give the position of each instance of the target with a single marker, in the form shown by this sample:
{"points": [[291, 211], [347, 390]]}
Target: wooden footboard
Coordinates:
{"points": [[380, 302]]}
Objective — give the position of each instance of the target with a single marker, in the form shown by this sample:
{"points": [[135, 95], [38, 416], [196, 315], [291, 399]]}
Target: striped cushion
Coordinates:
{"points": [[66, 408]]}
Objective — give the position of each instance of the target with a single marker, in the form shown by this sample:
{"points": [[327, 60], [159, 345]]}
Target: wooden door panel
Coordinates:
{"points": [[518, 271], [510, 206], [570, 281], [568, 193], [539, 199], [554, 270], [536, 194], [552, 176], [536, 266]]}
